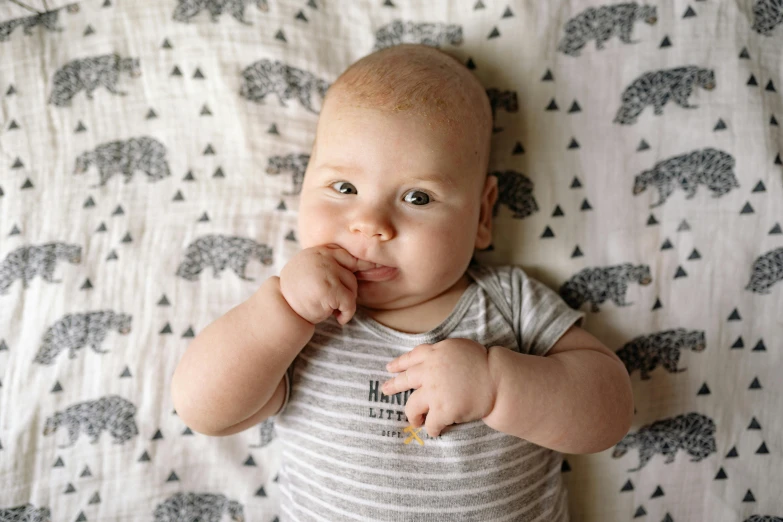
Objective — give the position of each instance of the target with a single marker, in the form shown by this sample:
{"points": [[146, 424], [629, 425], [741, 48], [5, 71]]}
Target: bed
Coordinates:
{"points": [[151, 157]]}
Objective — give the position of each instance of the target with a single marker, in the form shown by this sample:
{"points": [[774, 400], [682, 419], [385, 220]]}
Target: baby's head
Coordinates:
{"points": [[398, 172]]}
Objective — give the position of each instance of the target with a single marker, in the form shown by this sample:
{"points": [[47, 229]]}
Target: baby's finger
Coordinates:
{"points": [[349, 280], [347, 305], [417, 407], [345, 259]]}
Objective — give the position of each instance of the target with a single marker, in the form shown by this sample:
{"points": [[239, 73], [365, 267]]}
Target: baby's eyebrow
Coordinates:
{"points": [[435, 177]]}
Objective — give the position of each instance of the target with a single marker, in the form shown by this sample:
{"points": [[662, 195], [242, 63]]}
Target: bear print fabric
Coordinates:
{"points": [[152, 156]]}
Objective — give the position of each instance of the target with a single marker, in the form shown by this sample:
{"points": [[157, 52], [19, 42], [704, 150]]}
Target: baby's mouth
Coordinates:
{"points": [[377, 274]]}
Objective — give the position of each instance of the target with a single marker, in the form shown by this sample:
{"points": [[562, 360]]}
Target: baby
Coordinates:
{"points": [[406, 380]]}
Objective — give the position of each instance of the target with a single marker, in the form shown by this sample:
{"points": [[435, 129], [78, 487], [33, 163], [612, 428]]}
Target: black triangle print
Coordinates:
{"points": [[744, 54], [507, 13], [470, 64], [118, 211], [151, 114], [89, 203], [704, 390], [178, 196], [389, 3], [81, 517], [176, 71], [187, 431], [166, 329], [198, 75], [101, 228], [87, 285], [89, 30], [17, 164], [732, 453], [640, 512], [205, 111], [683, 226], [189, 176], [777, 160], [80, 127], [273, 130], [574, 108], [188, 333], [749, 497], [163, 301], [209, 150], [15, 231], [667, 245], [548, 76], [145, 457], [773, 121], [282, 206], [680, 273], [760, 346], [126, 373], [762, 449], [558, 211], [775, 229], [518, 149], [628, 486], [721, 475], [770, 87], [261, 493], [173, 477], [574, 144], [739, 343], [290, 236], [59, 463], [57, 387], [301, 16], [754, 424], [689, 12], [547, 233], [70, 488], [13, 125], [204, 218], [735, 316], [249, 461], [585, 205], [651, 220], [86, 472], [479, 5], [752, 81], [755, 385], [666, 42], [11, 91], [575, 183], [657, 304], [721, 125], [166, 44], [218, 173], [565, 467], [96, 499], [552, 106], [657, 493], [27, 184], [280, 36], [494, 34], [1, 192], [158, 435], [694, 255], [576, 252], [107, 3], [127, 238], [747, 209], [760, 187]]}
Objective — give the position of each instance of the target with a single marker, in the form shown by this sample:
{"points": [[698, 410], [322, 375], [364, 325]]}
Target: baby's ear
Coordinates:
{"points": [[488, 197]]}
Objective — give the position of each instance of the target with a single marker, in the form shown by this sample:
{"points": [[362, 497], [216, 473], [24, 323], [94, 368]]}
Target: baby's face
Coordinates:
{"points": [[392, 189]]}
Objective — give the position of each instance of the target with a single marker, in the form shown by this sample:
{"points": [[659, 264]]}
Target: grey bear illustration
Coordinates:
{"points": [[427, 33], [646, 352], [268, 433], [202, 507], [89, 74], [596, 285], [693, 432], [515, 190], [112, 413], [656, 87], [187, 9], [126, 157], [75, 331], [506, 100], [46, 19], [710, 167], [601, 23], [265, 77], [767, 14], [763, 518], [26, 262], [297, 163], [220, 252], [25, 513], [767, 270]]}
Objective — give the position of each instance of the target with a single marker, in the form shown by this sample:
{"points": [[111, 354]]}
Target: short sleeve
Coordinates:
{"points": [[289, 378], [539, 314]]}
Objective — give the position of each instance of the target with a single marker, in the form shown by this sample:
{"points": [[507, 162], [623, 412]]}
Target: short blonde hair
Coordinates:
{"points": [[424, 80]]}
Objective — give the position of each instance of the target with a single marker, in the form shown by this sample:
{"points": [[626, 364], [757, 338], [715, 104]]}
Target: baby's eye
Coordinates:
{"points": [[423, 196], [341, 191]]}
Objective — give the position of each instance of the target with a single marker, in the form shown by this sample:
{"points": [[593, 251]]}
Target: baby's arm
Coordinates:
{"points": [[231, 375], [577, 399]]}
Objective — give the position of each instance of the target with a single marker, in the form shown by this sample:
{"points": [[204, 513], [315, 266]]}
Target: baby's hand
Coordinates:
{"points": [[452, 381], [319, 281]]}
